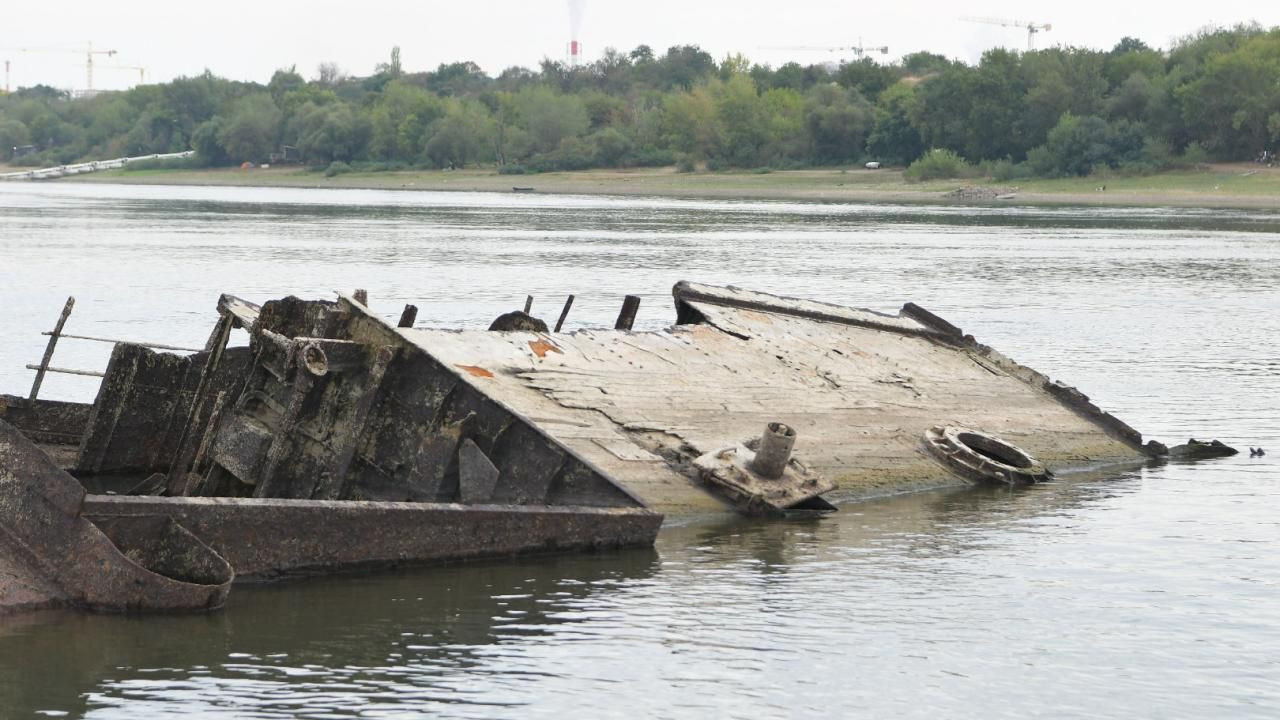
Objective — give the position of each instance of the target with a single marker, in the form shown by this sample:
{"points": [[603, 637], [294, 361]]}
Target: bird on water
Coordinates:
{"points": [[1257, 452]]}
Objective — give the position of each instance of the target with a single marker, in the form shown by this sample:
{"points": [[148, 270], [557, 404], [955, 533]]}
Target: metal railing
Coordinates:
{"points": [[56, 334]]}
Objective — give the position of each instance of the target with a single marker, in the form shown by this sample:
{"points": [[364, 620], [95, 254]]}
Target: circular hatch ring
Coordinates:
{"points": [[981, 457]]}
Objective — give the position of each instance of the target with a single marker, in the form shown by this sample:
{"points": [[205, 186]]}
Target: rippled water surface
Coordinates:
{"points": [[1149, 593]]}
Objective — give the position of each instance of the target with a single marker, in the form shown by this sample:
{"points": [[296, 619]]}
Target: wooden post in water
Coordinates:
{"points": [[528, 304], [408, 316], [48, 350], [568, 303], [627, 318]]}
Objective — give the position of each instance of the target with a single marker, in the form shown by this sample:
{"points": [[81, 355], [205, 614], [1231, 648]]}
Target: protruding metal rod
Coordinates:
{"points": [[775, 450], [408, 316], [361, 296], [627, 317], [568, 303], [65, 371], [528, 304], [48, 350], [157, 346]]}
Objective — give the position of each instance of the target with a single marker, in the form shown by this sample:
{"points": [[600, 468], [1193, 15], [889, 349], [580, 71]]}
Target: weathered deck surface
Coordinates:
{"points": [[860, 388]]}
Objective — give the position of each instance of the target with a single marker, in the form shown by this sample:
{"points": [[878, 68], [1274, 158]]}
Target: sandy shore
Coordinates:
{"points": [[1220, 186]]}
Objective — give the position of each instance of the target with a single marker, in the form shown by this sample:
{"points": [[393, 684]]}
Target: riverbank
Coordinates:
{"points": [[1219, 186]]}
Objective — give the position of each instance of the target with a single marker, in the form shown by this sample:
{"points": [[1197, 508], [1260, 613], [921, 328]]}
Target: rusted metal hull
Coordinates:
{"points": [[269, 538], [51, 555], [61, 547]]}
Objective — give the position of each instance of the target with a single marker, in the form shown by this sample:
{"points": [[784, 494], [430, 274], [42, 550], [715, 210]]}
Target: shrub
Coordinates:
{"points": [[337, 167], [788, 164], [1194, 155], [1005, 170], [686, 164], [937, 164], [651, 157], [512, 170]]}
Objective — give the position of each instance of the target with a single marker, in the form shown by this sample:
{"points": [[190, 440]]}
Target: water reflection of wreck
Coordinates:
{"points": [[336, 439]]}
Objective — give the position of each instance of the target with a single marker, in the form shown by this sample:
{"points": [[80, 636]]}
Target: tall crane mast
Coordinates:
{"points": [[89, 63], [89, 52], [1032, 28]]}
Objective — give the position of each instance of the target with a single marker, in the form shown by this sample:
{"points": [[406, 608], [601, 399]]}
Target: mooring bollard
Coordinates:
{"points": [[775, 450]]}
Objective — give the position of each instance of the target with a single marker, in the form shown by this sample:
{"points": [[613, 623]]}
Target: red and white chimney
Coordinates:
{"points": [[576, 10]]}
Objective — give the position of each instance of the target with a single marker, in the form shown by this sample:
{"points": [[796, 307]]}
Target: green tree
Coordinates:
{"points": [[325, 133], [1131, 56], [1078, 145], [206, 144], [400, 118], [461, 137], [284, 82], [1229, 107], [691, 124], [13, 134], [741, 114], [894, 138], [612, 147], [867, 76], [839, 122], [251, 128], [550, 117]]}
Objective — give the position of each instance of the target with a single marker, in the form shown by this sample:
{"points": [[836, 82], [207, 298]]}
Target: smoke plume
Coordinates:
{"points": [[576, 10]]}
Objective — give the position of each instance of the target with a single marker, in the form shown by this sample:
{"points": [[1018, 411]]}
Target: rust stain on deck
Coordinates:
{"points": [[476, 371], [541, 347]]}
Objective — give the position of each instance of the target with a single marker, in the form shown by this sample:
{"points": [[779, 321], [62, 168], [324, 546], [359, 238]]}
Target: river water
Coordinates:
{"points": [[1152, 592]]}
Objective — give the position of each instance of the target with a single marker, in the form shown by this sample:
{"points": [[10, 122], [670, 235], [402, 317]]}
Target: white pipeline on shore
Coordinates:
{"points": [[78, 168]]}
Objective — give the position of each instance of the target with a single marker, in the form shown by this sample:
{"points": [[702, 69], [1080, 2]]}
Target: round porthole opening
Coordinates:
{"points": [[982, 457]]}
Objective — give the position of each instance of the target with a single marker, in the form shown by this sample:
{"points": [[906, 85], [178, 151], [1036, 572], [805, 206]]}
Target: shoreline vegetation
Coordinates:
{"points": [[1236, 185], [1132, 125]]}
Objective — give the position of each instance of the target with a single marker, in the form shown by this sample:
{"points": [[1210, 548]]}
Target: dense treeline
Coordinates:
{"points": [[1061, 111]]}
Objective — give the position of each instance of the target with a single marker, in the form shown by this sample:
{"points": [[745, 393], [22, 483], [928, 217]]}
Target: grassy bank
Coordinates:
{"points": [[1240, 185]]}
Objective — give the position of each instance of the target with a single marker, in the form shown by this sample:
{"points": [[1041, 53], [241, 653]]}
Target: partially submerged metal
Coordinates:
{"points": [[336, 439]]}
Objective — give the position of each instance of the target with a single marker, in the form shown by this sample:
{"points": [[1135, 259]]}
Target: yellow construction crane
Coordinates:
{"points": [[858, 49], [142, 72], [1032, 28], [88, 52]]}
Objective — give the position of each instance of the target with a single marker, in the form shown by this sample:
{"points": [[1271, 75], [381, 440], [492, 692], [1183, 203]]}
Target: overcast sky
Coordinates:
{"points": [[248, 40]]}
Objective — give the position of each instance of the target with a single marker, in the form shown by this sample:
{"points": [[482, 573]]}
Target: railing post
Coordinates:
{"points": [[627, 318], [48, 350], [568, 303]]}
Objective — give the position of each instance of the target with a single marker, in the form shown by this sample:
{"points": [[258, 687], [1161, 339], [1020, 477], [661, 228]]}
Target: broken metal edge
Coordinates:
{"points": [[933, 328], [1072, 399], [686, 292]]}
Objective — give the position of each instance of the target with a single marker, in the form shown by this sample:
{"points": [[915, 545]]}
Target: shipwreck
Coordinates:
{"points": [[337, 440]]}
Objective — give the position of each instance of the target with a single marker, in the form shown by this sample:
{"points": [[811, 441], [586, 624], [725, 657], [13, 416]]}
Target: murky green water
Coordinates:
{"points": [[1151, 593]]}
